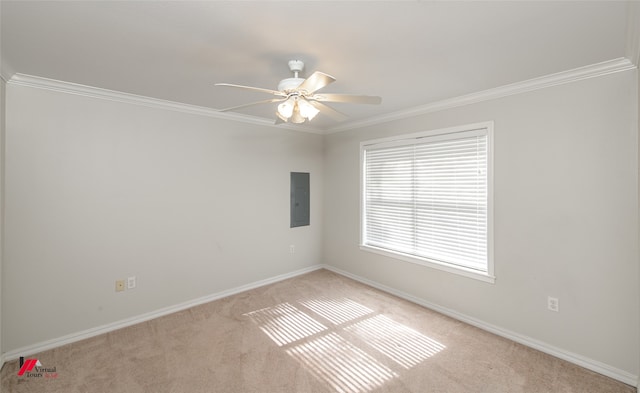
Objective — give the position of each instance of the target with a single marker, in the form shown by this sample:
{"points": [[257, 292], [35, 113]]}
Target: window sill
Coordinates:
{"points": [[486, 277]]}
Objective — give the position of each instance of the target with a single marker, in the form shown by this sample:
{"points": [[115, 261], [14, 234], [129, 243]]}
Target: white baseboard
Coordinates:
{"points": [[74, 337], [590, 364], [579, 360]]}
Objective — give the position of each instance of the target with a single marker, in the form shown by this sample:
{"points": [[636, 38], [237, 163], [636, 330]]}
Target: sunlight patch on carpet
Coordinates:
{"points": [[338, 311], [341, 364], [356, 352], [402, 344], [285, 324]]}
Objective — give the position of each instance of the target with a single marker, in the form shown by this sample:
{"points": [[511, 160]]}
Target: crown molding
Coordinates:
{"points": [[127, 98], [591, 71], [6, 71], [4, 78]]}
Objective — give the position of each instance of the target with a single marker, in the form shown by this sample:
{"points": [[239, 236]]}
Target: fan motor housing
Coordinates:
{"points": [[289, 84]]}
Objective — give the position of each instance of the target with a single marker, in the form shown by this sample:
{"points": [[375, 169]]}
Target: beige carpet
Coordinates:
{"points": [[319, 332]]}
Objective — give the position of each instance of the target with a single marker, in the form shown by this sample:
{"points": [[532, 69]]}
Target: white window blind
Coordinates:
{"points": [[427, 197]]}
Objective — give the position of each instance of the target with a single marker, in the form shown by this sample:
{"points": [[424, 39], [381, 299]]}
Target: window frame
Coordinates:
{"points": [[439, 265]]}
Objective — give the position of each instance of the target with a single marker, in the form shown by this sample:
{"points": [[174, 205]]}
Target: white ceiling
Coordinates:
{"points": [[411, 53]]}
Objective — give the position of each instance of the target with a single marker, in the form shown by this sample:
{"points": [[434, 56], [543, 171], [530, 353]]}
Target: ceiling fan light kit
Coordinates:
{"points": [[298, 101], [296, 110]]}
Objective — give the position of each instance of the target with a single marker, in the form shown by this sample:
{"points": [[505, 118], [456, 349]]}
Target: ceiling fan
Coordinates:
{"points": [[298, 99]]}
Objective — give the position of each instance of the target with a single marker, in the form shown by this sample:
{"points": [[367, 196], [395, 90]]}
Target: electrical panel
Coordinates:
{"points": [[300, 197]]}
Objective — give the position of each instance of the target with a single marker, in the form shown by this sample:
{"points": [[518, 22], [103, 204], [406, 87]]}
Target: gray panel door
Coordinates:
{"points": [[299, 199]]}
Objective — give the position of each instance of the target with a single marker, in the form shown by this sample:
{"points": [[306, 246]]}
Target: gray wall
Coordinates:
{"points": [[99, 190], [566, 218]]}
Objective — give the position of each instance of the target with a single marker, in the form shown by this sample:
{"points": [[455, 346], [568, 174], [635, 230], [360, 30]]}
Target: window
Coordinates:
{"points": [[426, 198]]}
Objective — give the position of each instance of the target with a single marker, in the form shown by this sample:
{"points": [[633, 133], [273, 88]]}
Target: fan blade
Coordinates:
{"points": [[329, 111], [316, 81], [269, 91], [252, 104], [353, 99]]}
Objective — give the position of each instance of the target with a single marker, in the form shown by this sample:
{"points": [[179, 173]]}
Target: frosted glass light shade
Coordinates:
{"points": [[286, 108], [307, 110]]}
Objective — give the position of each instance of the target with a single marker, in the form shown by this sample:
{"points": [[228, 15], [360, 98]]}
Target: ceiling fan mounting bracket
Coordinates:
{"points": [[296, 66]]}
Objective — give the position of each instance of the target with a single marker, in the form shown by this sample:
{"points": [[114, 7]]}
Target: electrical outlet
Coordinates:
{"points": [[131, 282], [119, 285], [553, 304], [292, 249]]}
